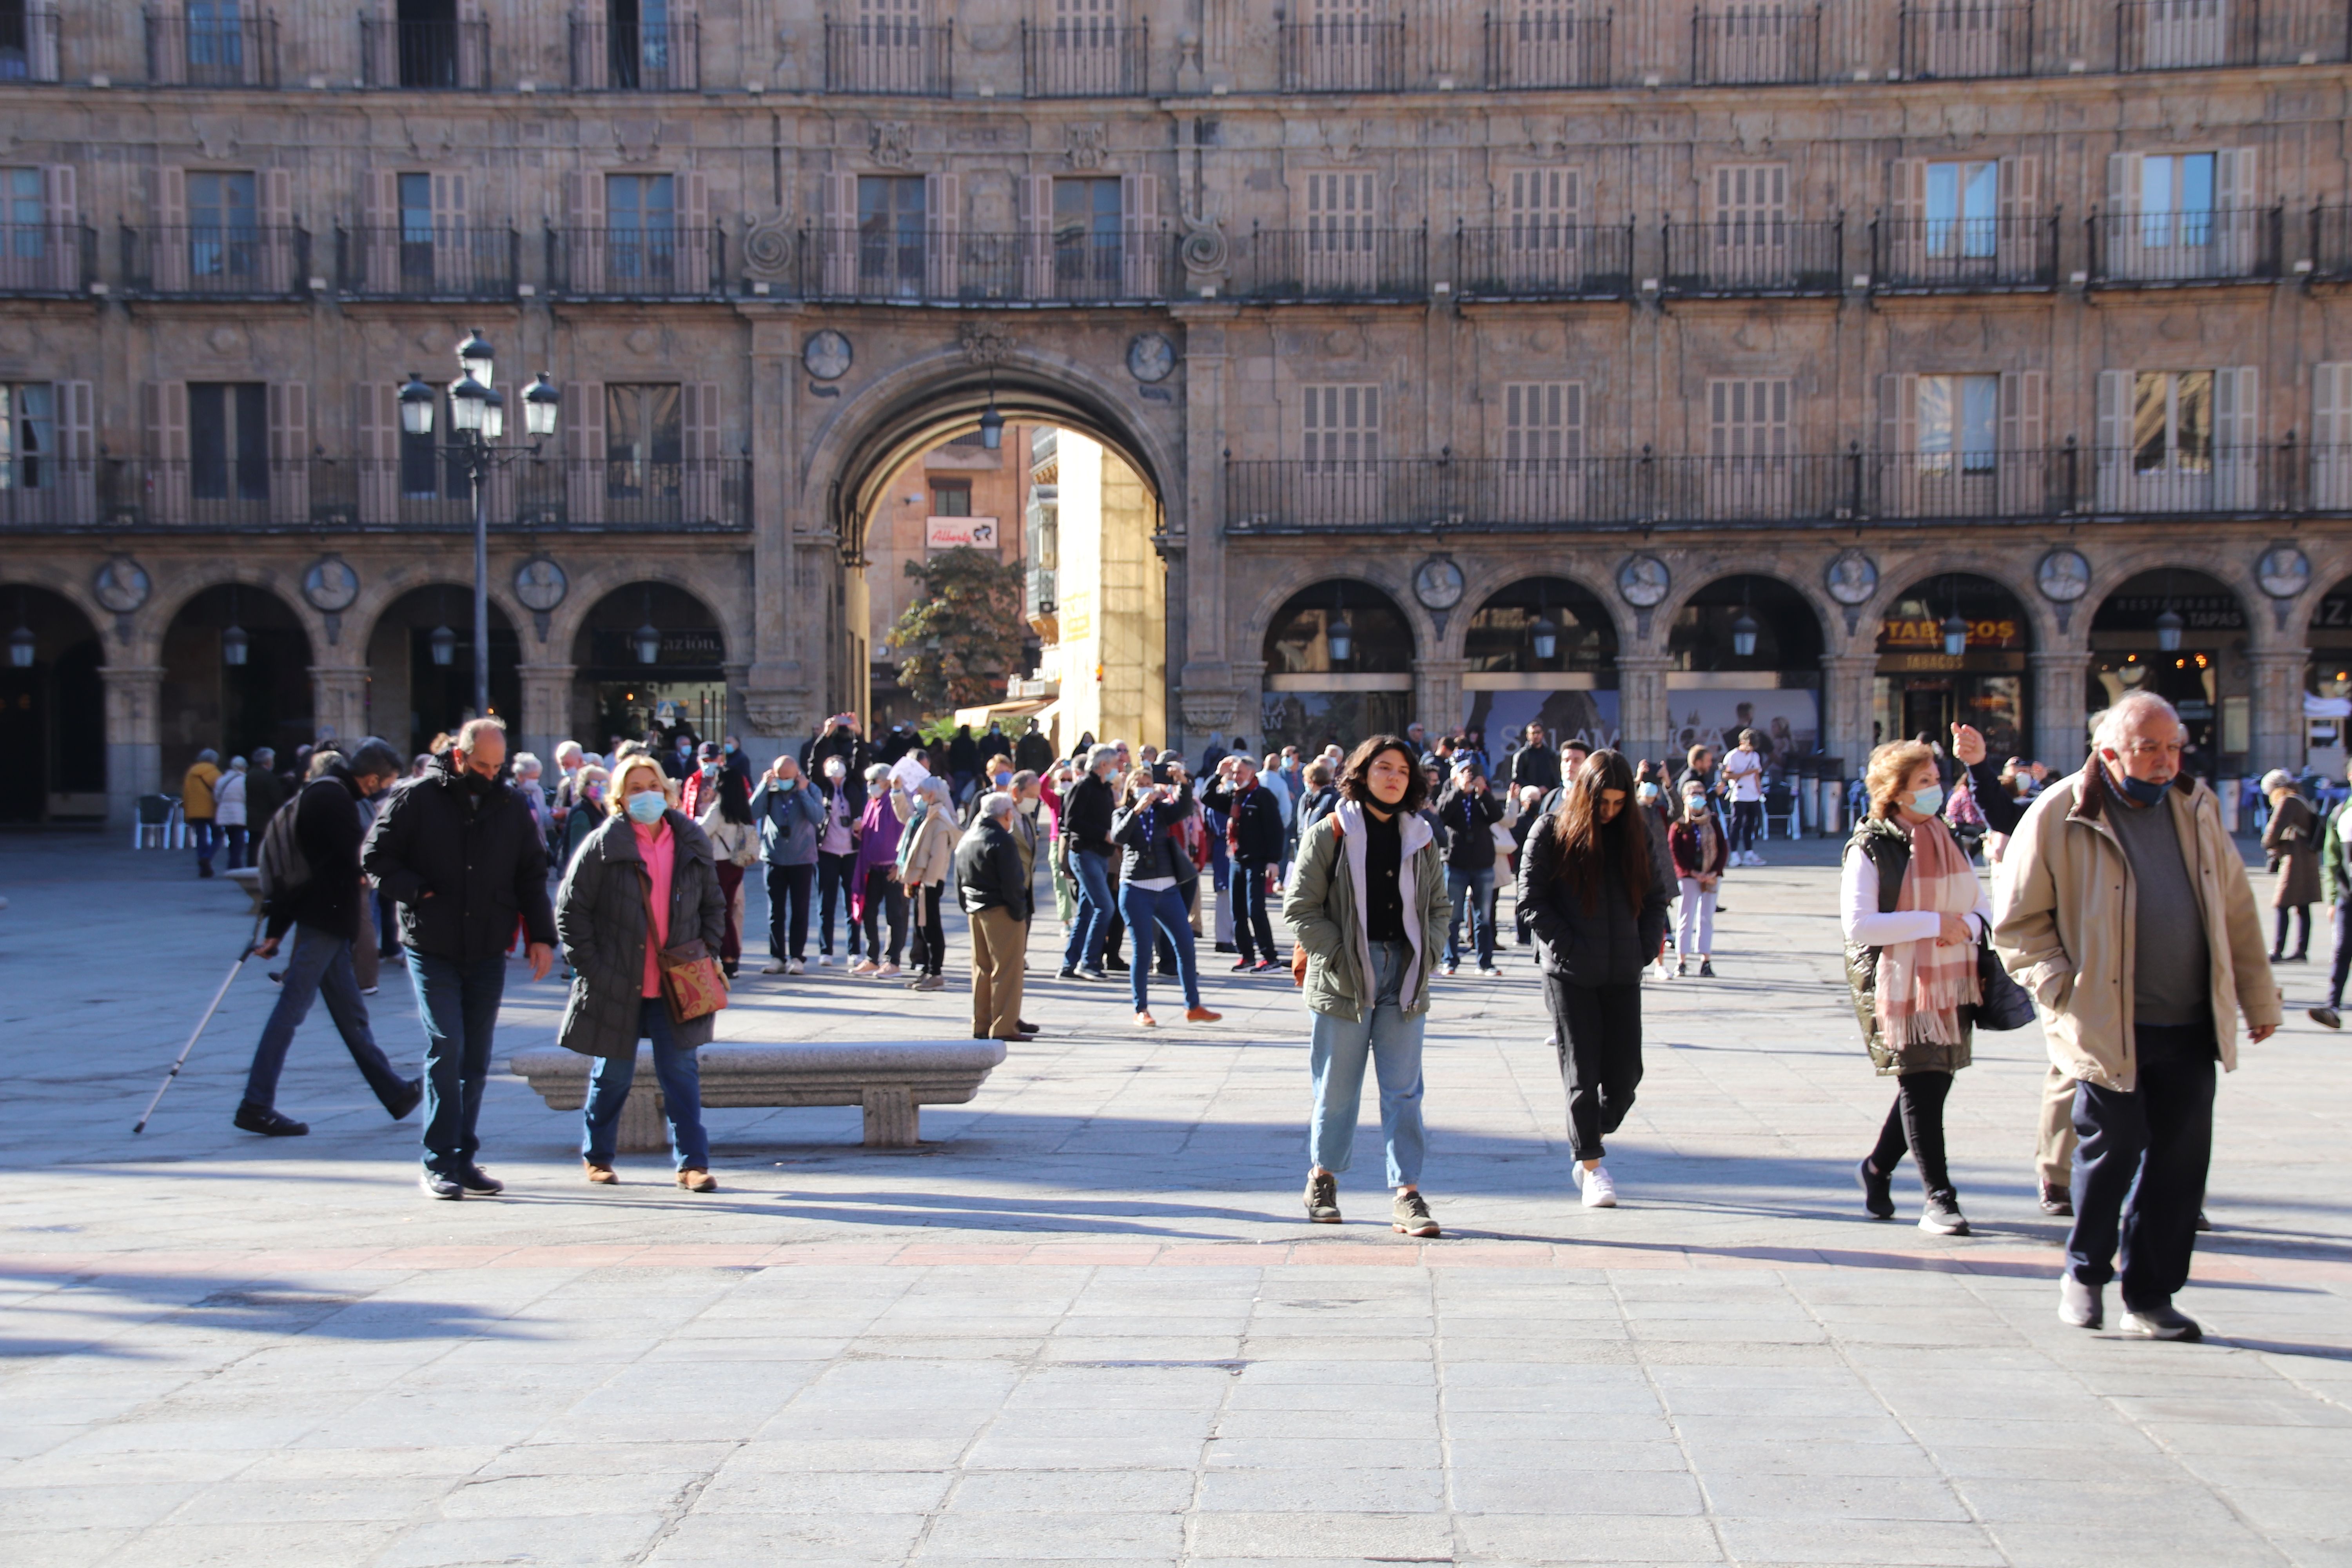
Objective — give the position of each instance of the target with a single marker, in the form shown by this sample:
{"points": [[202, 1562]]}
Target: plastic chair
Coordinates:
{"points": [[1781, 803], [157, 815]]}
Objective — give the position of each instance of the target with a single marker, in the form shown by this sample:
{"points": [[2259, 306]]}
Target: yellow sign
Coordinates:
{"points": [[1077, 615]]}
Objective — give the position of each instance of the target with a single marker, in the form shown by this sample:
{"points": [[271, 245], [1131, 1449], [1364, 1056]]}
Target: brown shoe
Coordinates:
{"points": [[601, 1174], [694, 1180], [1200, 1016], [1146, 1021]]}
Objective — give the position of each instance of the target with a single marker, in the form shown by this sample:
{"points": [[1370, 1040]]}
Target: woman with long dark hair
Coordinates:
{"points": [[1367, 901], [726, 821], [1595, 883]]}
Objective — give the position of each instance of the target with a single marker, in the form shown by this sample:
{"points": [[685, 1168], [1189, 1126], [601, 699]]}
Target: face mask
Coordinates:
{"points": [[730, 747], [1648, 792], [647, 806], [835, 769], [1928, 800], [2143, 791], [710, 770], [1002, 779]]}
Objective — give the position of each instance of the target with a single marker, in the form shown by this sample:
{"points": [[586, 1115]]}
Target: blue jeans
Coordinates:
{"points": [[1392, 1040], [680, 1078], [319, 964], [1144, 907], [1478, 888], [457, 1003], [1253, 925], [205, 834], [1093, 922]]}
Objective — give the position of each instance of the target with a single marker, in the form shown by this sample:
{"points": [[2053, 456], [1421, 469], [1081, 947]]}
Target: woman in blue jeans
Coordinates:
{"points": [[648, 862], [1367, 901], [1155, 869]]}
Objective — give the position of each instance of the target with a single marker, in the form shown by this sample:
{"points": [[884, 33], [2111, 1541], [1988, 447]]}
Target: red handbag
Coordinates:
{"points": [[694, 987]]}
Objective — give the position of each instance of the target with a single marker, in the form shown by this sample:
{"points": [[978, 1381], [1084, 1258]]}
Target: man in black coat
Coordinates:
{"points": [[1468, 812], [265, 792], [840, 739], [1535, 763], [461, 853], [1032, 752], [323, 909], [1255, 837], [996, 899]]}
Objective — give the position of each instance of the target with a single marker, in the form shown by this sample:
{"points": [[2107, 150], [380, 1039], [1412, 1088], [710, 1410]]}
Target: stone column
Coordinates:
{"points": [[2059, 713], [1437, 694], [1207, 682], [1645, 716], [1241, 703], [134, 751], [1847, 683], [789, 618], [545, 721], [2277, 740], [338, 703]]}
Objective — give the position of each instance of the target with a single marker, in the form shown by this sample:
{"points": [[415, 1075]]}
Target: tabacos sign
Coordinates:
{"points": [[1926, 635]]}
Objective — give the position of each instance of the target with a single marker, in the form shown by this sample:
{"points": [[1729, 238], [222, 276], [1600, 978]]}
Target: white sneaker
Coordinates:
{"points": [[796, 967], [1600, 1192], [1491, 972], [1552, 1043], [777, 967], [824, 960], [1446, 970], [1754, 858]]}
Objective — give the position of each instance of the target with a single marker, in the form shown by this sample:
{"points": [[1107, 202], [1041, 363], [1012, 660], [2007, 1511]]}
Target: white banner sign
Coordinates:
{"points": [[949, 533]]}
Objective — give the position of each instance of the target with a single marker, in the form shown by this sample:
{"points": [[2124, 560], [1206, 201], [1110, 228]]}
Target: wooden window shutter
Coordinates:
{"points": [[62, 212], [375, 423], [1037, 237], [379, 230], [1907, 200], [697, 261], [2237, 437], [584, 237], [453, 250], [2024, 454], [289, 451], [2020, 246], [167, 243], [2111, 456], [78, 445], [1138, 205], [943, 239], [165, 406], [2236, 197], [584, 404], [276, 217], [840, 234], [1898, 442], [698, 444], [2331, 434]]}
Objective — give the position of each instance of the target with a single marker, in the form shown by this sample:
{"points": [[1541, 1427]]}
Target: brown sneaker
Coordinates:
{"points": [[1322, 1199], [694, 1180], [601, 1174], [1409, 1216], [1146, 1021], [1200, 1016]]}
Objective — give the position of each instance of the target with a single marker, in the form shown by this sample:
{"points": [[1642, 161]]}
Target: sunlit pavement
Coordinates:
{"points": [[1086, 1322]]}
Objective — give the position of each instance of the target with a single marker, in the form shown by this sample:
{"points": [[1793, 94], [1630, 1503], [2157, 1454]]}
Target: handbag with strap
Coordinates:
{"points": [[694, 987], [2005, 1006]]}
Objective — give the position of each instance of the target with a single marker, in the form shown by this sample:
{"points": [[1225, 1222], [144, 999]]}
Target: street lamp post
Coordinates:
{"points": [[477, 421]]}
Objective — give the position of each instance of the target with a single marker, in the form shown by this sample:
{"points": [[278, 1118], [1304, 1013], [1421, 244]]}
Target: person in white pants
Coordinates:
{"points": [[1700, 852]]}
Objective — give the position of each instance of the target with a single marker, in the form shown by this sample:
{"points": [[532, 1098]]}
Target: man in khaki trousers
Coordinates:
{"points": [[995, 896]]}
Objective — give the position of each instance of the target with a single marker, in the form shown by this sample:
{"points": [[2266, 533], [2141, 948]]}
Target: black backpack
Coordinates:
{"points": [[284, 867]]}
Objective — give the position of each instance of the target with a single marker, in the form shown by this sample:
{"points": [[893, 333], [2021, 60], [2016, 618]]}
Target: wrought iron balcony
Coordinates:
{"points": [[1756, 43], [2139, 249], [1954, 40], [48, 259], [223, 261], [445, 54], [215, 46], [1341, 55], [1077, 58], [1331, 262], [1535, 260], [28, 44], [675, 263], [888, 57], [427, 263], [2328, 242], [643, 57], [953, 267], [1561, 47], [1964, 255], [1746, 255]]}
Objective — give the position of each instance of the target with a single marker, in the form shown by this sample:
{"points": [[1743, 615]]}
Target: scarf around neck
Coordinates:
{"points": [[1922, 984]]}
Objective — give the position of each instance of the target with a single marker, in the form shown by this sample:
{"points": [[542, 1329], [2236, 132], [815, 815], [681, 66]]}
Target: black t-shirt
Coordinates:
{"points": [[1383, 864]]}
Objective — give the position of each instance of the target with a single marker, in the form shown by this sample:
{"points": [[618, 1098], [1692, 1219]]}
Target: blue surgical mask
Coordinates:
{"points": [[2143, 791], [647, 806], [730, 747], [1928, 800]]}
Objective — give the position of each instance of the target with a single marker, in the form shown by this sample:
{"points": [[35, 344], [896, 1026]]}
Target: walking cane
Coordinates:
{"points": [[140, 1125]]}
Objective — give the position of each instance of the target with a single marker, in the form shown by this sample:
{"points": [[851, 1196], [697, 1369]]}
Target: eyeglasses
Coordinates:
{"points": [[2152, 748]]}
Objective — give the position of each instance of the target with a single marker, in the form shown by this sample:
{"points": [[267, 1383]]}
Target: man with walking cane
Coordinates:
{"points": [[324, 908], [462, 855]]}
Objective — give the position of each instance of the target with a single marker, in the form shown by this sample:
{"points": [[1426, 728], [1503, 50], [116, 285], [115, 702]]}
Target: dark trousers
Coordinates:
{"points": [[1600, 1031], [320, 966], [387, 926], [2341, 970], [833, 891], [930, 954], [1252, 924], [2302, 913], [205, 835], [883, 897], [1746, 824], [730, 878], [457, 1003], [788, 906], [1914, 1122], [2139, 1166], [235, 832]]}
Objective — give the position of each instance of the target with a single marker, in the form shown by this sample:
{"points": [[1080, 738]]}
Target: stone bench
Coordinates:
{"points": [[891, 1079]]}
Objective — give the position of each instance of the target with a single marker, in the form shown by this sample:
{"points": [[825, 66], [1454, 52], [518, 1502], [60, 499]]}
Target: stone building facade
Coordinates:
{"points": [[1530, 358]]}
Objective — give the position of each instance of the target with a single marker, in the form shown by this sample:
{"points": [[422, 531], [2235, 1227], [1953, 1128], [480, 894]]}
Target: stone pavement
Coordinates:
{"points": [[1085, 1323]]}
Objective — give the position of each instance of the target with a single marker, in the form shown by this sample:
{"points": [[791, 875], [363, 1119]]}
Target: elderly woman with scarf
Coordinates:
{"points": [[926, 855], [1914, 912], [873, 877]]}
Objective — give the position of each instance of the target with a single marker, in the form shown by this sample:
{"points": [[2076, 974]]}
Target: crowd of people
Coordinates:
{"points": [[2119, 905]]}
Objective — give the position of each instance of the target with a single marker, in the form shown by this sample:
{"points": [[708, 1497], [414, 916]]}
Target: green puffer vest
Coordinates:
{"points": [[1889, 849]]}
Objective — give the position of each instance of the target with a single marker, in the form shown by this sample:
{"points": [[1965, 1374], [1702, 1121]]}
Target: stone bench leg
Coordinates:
{"points": [[643, 1129], [892, 1118]]}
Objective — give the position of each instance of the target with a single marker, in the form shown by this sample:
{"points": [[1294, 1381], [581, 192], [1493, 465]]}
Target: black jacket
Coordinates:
{"points": [[1254, 818], [1086, 813], [988, 871], [1468, 818], [1316, 806], [1159, 853], [327, 830], [1033, 753], [1537, 765], [1608, 944], [602, 918], [2002, 811], [464, 867], [854, 754], [265, 792]]}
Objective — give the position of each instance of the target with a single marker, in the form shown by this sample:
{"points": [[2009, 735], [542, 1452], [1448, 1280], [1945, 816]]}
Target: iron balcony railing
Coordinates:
{"points": [[936, 265], [1341, 55], [1336, 261], [2328, 243], [1084, 59], [672, 263], [1744, 254], [424, 55], [1758, 43], [1952, 40], [1536, 258], [28, 44], [428, 489], [429, 262], [2181, 35], [2206, 245], [220, 260], [635, 56], [47, 258], [212, 46], [1962, 253], [1555, 47], [891, 58]]}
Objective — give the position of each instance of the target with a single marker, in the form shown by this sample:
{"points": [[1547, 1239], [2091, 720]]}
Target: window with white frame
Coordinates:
{"points": [[28, 435], [1963, 208]]}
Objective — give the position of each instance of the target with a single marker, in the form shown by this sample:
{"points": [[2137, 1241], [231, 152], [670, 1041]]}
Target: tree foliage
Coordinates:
{"points": [[961, 639]]}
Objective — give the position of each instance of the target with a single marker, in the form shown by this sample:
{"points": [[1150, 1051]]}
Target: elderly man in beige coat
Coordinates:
{"points": [[2124, 908]]}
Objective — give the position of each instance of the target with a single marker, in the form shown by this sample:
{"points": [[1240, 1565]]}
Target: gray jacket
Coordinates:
{"points": [[1328, 911], [599, 918], [790, 821]]}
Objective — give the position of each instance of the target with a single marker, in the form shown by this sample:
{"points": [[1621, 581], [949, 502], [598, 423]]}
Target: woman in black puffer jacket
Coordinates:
{"points": [[1594, 884]]}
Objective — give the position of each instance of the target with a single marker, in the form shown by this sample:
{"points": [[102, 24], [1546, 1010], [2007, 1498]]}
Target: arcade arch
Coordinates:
{"points": [[52, 710], [2182, 635], [1339, 667], [237, 676], [647, 657], [420, 657], [1543, 649], [1924, 685], [1745, 652]]}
